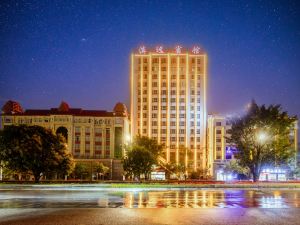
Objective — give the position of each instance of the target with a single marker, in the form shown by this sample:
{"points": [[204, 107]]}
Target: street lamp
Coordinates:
{"points": [[262, 137]]}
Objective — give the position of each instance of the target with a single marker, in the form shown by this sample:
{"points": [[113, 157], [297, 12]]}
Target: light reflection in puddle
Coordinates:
{"points": [[142, 198]]}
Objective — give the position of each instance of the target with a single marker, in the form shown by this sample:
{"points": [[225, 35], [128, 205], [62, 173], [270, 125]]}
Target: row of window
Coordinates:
{"points": [[173, 84], [172, 115], [164, 92], [172, 107], [164, 76], [172, 123], [172, 131], [88, 147], [173, 100], [98, 131]]}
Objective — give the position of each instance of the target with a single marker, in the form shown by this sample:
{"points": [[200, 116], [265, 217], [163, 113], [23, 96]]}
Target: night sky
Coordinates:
{"points": [[78, 51]]}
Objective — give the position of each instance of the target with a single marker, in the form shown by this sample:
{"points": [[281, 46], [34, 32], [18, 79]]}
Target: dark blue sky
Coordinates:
{"points": [[78, 51]]}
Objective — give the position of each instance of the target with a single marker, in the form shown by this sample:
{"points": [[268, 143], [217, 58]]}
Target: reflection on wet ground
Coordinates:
{"points": [[136, 198]]}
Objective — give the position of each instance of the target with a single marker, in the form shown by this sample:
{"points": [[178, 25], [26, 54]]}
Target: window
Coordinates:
{"points": [[87, 130], [87, 138], [218, 132], [98, 139], [218, 123], [77, 138]]}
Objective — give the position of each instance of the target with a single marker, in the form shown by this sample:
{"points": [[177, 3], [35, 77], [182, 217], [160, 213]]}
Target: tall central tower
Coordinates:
{"points": [[168, 101]]}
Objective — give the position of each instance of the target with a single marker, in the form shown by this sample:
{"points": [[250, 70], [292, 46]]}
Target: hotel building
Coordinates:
{"points": [[91, 135], [168, 101]]}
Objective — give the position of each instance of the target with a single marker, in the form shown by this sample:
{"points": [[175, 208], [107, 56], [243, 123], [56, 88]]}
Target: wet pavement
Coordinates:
{"points": [[100, 205], [91, 197]]}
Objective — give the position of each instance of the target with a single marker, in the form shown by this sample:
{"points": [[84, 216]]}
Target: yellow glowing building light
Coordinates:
{"points": [[223, 144], [131, 96], [150, 96], [159, 100], [177, 111], [141, 90], [168, 110]]}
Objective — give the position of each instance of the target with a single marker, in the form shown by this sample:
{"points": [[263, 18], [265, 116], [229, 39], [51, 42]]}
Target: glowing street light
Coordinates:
{"points": [[262, 137]]}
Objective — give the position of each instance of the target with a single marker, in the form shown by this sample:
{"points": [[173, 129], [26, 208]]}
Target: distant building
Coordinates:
{"points": [[168, 101], [91, 135], [221, 150]]}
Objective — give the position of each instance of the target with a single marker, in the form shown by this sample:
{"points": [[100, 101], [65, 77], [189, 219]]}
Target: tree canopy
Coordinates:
{"points": [[262, 137], [138, 161], [35, 150], [149, 144]]}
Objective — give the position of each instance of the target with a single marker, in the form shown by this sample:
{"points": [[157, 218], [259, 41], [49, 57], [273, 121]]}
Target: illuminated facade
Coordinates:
{"points": [[219, 148], [168, 101], [91, 135]]}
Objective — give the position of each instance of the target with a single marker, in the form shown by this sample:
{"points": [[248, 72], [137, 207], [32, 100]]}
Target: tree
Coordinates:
{"points": [[149, 144], [100, 169], [81, 170], [138, 161], [35, 150], [233, 166], [262, 137]]}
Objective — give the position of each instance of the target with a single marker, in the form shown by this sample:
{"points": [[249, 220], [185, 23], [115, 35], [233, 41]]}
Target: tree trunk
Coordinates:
{"points": [[255, 176], [255, 172], [37, 177]]}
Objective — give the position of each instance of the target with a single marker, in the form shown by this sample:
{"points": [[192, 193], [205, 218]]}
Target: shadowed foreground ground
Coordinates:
{"points": [[108, 216]]}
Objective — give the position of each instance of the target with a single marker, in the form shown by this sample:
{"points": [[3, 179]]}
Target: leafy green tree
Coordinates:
{"points": [[138, 161], [234, 167], [173, 168], [100, 169], [149, 144], [81, 170], [262, 138], [35, 150]]}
